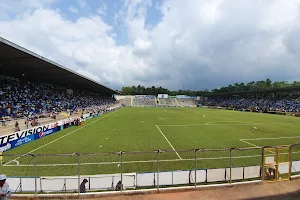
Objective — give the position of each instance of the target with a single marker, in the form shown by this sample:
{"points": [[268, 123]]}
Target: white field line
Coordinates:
{"points": [[215, 122], [228, 124], [249, 143], [63, 136], [273, 153], [143, 161], [17, 162], [135, 161], [277, 138], [168, 142], [231, 122]]}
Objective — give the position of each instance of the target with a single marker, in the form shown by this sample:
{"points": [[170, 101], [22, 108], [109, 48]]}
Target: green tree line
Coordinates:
{"points": [[236, 87], [136, 90]]}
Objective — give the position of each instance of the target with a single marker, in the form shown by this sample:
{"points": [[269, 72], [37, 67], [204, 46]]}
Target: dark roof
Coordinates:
{"points": [[16, 60], [264, 91]]}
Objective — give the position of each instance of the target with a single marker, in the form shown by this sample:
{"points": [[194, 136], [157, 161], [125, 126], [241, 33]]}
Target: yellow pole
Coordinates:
{"points": [[1, 158], [177, 102]]}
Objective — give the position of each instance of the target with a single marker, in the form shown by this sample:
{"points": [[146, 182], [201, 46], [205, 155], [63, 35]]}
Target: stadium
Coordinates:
{"points": [[60, 128]]}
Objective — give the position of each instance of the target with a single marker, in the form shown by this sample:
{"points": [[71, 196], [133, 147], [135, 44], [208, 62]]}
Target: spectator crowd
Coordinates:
{"points": [[287, 104], [23, 99]]}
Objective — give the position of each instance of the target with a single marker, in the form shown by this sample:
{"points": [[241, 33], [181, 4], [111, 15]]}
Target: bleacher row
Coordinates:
{"points": [[25, 101], [287, 104], [153, 101]]}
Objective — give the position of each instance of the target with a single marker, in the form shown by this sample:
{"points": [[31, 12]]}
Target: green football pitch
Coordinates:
{"points": [[134, 130]]}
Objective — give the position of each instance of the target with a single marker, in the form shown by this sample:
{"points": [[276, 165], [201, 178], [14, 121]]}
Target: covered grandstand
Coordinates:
{"points": [[18, 62], [26, 78], [273, 100]]}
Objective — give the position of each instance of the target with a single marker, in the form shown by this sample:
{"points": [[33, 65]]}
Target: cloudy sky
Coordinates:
{"points": [[178, 44]]}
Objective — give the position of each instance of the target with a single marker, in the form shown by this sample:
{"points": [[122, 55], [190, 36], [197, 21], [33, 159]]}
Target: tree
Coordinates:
{"points": [[236, 87], [296, 83], [268, 83]]}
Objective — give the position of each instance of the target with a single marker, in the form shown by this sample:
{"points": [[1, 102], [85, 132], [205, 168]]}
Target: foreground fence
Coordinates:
{"points": [[64, 173]]}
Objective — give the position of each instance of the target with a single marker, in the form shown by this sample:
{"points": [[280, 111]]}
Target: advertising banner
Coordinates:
{"points": [[5, 147], [19, 138], [22, 141], [22, 137], [45, 133], [21, 134]]}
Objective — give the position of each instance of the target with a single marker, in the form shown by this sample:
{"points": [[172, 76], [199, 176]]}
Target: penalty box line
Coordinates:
{"points": [[14, 160], [243, 140], [274, 138], [246, 140], [168, 142]]}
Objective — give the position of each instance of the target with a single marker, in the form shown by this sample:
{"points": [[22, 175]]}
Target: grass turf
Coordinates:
{"points": [[150, 129]]}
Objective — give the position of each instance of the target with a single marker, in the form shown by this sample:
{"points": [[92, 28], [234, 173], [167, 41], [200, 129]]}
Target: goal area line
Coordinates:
{"points": [[271, 138]]}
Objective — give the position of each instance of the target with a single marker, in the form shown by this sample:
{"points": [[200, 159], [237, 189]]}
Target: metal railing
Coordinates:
{"points": [[64, 173]]}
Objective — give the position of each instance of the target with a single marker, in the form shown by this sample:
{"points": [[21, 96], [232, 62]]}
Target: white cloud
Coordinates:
{"points": [[73, 9], [205, 45], [85, 45], [19, 6], [102, 10], [82, 3], [141, 47]]}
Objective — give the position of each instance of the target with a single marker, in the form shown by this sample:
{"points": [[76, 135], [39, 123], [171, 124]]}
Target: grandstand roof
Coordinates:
{"points": [[16, 61]]}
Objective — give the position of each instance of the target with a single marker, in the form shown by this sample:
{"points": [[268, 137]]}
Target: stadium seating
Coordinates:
{"points": [[125, 101], [19, 99], [187, 102], [167, 102], [144, 101], [291, 104]]}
